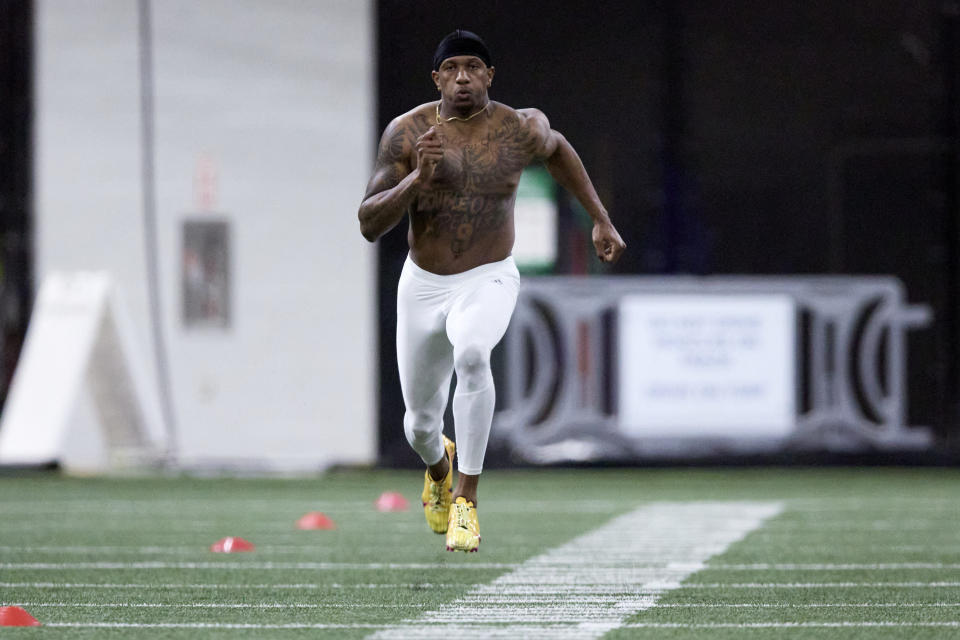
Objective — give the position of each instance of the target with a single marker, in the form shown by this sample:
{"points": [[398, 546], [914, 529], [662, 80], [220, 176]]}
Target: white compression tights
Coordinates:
{"points": [[446, 324]]}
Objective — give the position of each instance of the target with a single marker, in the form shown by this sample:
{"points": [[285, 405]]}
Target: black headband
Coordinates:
{"points": [[461, 43]]}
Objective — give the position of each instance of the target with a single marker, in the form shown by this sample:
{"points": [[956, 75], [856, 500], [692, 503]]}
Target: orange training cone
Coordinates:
{"points": [[315, 520], [391, 501], [17, 617], [231, 545]]}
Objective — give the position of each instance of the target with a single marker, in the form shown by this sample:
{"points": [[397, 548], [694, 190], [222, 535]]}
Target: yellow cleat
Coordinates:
{"points": [[436, 495], [463, 528]]}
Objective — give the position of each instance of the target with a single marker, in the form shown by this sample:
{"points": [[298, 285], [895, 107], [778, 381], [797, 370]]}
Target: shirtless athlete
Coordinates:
{"points": [[453, 166]]}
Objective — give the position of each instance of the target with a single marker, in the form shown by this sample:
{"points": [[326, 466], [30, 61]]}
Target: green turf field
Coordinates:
{"points": [[848, 553]]}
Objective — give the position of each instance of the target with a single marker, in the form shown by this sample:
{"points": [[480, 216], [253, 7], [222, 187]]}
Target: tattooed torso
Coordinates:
{"points": [[464, 218]]}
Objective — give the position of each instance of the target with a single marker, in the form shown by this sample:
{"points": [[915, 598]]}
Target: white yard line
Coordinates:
{"points": [[881, 501], [570, 601], [848, 526], [512, 632], [117, 549], [164, 508], [809, 605], [205, 536], [256, 566], [790, 625], [206, 625], [218, 586], [880, 549], [876, 566], [844, 508], [308, 548], [816, 585], [611, 563], [616, 556], [519, 540], [564, 599], [202, 605], [568, 591]]}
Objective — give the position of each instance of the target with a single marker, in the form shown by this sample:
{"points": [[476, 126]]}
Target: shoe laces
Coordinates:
{"points": [[435, 490], [463, 520]]}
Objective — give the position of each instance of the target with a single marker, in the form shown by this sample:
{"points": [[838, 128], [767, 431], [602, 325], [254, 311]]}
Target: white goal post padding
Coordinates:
{"points": [[81, 395]]}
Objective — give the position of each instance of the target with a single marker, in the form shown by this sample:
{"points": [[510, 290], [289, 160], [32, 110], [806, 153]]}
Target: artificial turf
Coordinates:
{"points": [[854, 553]]}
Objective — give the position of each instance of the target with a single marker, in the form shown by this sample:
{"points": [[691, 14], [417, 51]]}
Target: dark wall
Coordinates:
{"points": [[728, 137], [16, 103]]}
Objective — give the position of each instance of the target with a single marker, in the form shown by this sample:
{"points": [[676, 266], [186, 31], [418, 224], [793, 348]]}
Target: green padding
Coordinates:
{"points": [[536, 183]]}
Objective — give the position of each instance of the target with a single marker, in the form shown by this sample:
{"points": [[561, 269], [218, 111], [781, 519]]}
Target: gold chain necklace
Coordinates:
{"points": [[470, 117]]}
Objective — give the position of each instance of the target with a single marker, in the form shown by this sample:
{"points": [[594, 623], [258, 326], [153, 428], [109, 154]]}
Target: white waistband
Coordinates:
{"points": [[507, 266]]}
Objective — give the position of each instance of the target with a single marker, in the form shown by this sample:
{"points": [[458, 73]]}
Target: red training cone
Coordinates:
{"points": [[391, 501], [315, 520], [17, 617], [231, 545]]}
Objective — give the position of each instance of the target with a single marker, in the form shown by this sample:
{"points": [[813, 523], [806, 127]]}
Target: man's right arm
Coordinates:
{"points": [[394, 186]]}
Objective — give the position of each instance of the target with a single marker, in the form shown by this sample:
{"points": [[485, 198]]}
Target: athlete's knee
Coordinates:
{"points": [[422, 426], [472, 365]]}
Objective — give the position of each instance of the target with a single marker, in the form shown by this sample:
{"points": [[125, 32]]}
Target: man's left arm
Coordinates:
{"points": [[567, 169]]}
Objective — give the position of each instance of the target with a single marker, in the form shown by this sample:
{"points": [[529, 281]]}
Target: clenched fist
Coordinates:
{"points": [[607, 242], [429, 152]]}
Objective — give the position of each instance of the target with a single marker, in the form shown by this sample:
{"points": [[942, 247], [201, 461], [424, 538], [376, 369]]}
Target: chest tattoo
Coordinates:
{"points": [[473, 187]]}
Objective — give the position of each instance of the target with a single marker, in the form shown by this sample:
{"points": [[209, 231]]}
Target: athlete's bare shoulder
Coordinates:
{"points": [[396, 153], [418, 119], [503, 114], [399, 139], [527, 127]]}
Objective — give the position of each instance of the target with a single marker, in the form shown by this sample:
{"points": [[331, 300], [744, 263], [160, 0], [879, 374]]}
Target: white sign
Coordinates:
{"points": [[81, 395], [707, 365]]}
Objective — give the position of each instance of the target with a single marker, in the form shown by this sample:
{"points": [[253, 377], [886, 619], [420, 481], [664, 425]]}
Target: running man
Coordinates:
{"points": [[453, 166]]}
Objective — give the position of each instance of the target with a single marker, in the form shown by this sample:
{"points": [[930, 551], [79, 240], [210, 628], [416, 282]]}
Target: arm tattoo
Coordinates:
{"points": [[391, 148], [391, 160]]}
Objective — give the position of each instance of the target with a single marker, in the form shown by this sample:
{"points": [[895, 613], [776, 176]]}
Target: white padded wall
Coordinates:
{"points": [[278, 97]]}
